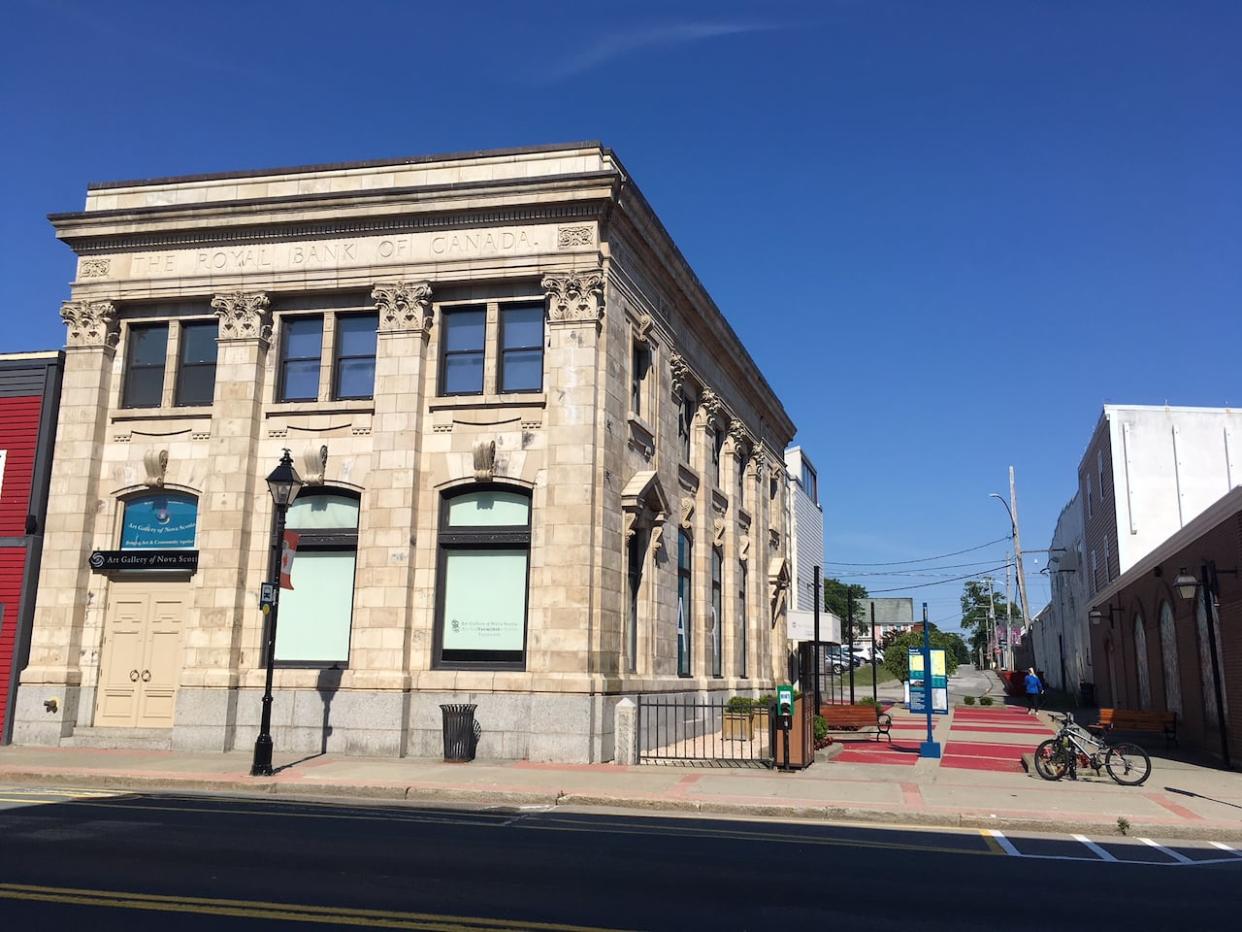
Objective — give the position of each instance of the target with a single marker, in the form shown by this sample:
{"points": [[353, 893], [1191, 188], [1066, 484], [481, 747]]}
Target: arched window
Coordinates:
{"points": [[483, 578], [316, 614], [1140, 662], [1205, 667], [160, 521], [1168, 650]]}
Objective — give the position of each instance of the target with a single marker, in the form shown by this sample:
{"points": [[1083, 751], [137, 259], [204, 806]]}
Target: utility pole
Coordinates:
{"points": [[1017, 554], [1006, 659], [991, 621]]}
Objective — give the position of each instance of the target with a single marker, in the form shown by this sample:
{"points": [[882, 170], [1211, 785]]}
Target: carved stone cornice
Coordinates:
{"points": [[243, 315], [575, 296], [403, 306], [90, 323], [742, 440], [713, 407]]}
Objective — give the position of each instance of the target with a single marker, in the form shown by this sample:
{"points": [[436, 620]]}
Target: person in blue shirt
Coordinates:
{"points": [[1034, 689]]}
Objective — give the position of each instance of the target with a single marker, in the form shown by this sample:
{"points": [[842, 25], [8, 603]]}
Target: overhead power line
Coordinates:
{"points": [[939, 582], [945, 566], [942, 556]]}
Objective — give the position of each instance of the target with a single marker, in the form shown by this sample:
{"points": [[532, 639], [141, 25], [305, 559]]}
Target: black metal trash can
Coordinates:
{"points": [[458, 732], [1088, 695]]}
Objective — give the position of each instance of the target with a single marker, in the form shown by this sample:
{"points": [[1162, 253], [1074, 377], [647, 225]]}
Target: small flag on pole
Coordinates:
{"points": [[288, 551]]}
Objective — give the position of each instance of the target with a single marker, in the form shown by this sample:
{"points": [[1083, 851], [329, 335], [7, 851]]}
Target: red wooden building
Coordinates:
{"points": [[29, 399]]}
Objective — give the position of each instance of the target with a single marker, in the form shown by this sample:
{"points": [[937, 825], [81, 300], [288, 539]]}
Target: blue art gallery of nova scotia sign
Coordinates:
{"points": [[159, 522]]}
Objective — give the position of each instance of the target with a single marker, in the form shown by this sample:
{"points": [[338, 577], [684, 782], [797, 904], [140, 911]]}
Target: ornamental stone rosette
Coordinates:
{"points": [[243, 316], [90, 323], [575, 296], [403, 306]]}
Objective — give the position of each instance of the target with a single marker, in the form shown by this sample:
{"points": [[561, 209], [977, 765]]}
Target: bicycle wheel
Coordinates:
{"points": [[1128, 764], [1050, 760]]}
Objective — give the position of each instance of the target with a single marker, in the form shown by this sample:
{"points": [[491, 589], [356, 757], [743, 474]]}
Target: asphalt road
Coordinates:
{"points": [[99, 861]]}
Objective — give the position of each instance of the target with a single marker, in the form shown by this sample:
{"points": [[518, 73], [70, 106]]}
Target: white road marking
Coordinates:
{"points": [[1005, 843], [1175, 855], [1094, 848], [1224, 847]]}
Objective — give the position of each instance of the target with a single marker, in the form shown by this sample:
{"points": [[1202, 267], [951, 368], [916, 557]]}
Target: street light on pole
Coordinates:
{"points": [[284, 484]]}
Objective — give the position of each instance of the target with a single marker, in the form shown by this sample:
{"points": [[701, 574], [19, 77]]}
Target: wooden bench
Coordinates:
{"points": [[1164, 723], [855, 717]]}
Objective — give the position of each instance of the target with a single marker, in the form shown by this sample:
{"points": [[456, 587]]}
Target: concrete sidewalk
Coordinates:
{"points": [[1180, 800]]}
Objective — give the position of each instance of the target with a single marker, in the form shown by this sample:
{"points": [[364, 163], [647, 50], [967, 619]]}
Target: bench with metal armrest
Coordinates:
{"points": [[1135, 720], [858, 716]]}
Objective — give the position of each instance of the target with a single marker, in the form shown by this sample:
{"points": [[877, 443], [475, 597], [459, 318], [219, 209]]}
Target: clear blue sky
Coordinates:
{"points": [[948, 231]]}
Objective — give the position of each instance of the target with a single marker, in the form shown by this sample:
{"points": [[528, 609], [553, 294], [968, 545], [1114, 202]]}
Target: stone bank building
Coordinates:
{"points": [[542, 472]]}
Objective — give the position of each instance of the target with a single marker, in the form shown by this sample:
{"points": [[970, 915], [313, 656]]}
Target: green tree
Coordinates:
{"points": [[836, 600], [897, 653], [976, 620]]}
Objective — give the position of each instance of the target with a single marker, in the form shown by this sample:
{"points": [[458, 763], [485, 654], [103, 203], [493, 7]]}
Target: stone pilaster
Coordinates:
{"points": [[562, 635], [53, 672], [232, 526], [386, 608]]}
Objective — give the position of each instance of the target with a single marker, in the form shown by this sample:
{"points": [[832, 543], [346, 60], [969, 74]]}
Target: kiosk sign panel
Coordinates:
{"points": [[939, 682]]}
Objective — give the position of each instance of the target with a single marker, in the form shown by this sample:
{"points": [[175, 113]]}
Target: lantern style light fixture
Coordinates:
{"points": [[1185, 584], [1097, 616], [283, 482]]}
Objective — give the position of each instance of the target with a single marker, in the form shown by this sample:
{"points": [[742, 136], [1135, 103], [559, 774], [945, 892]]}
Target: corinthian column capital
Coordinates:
{"points": [[90, 323], [243, 316], [575, 296], [403, 306]]}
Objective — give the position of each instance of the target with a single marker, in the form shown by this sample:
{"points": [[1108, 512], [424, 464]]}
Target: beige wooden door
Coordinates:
{"points": [[141, 655]]}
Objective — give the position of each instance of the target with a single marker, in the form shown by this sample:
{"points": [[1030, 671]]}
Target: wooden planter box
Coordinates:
{"points": [[738, 726]]}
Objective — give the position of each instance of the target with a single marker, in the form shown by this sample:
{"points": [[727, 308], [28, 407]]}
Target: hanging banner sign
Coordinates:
{"points": [[109, 561], [288, 550]]}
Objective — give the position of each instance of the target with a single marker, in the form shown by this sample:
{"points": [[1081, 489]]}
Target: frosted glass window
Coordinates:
{"points": [[484, 600], [483, 509], [322, 512], [314, 619]]}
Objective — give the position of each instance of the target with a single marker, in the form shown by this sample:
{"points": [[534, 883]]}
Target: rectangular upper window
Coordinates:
{"points": [[521, 347], [354, 374], [462, 337], [144, 366], [196, 363], [685, 423], [640, 365], [810, 482], [718, 439], [301, 346]]}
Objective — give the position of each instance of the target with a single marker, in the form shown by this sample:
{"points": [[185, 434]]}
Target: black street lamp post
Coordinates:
{"points": [[284, 484], [1207, 586]]}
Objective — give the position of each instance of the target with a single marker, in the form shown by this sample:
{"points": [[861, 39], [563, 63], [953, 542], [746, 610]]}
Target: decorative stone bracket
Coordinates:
{"points": [[314, 464], [403, 307], [778, 586], [687, 512], [90, 323], [575, 296], [243, 316], [485, 461], [155, 462], [644, 505], [680, 371]]}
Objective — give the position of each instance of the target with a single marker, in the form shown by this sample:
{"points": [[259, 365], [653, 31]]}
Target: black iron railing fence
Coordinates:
{"points": [[704, 731]]}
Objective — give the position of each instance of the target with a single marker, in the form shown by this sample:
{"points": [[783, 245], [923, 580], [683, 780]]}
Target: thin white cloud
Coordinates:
{"points": [[621, 43]]}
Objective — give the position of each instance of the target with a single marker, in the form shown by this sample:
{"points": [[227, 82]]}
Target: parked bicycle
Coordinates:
{"points": [[1074, 747]]}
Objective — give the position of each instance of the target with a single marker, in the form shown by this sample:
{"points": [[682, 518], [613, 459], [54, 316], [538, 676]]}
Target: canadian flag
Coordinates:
{"points": [[288, 551]]}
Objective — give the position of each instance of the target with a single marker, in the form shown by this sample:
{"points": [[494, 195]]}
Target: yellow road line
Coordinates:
{"points": [[260, 909], [991, 841]]}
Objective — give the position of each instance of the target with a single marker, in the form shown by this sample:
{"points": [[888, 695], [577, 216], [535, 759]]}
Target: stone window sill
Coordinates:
{"points": [[483, 402], [169, 413], [688, 477], [280, 408]]}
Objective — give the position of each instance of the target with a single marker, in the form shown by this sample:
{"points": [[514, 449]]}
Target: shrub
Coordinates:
{"points": [[741, 704], [867, 700], [969, 700], [985, 700], [821, 732]]}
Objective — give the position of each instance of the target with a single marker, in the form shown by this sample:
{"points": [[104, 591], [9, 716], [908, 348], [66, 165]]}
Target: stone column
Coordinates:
{"points": [[386, 596], [232, 525], [560, 638], [48, 697], [706, 534]]}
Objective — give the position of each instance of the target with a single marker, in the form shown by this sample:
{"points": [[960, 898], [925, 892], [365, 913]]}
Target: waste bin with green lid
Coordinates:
{"points": [[459, 738]]}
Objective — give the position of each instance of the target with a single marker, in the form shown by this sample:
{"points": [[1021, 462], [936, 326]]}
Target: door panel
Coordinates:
{"points": [[142, 656]]}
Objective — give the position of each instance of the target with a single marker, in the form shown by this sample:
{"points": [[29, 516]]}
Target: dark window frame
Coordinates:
{"points": [[635, 550], [718, 439], [717, 606], [685, 427], [131, 367], [485, 537], [326, 539], [640, 366], [281, 389], [685, 595], [743, 620], [502, 350], [339, 357], [446, 315], [811, 487], [183, 366]]}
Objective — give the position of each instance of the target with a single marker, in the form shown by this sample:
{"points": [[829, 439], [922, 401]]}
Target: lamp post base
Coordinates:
{"points": [[262, 766], [929, 749]]}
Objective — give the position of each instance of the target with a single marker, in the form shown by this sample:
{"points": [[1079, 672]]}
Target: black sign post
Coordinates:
{"points": [[111, 561]]}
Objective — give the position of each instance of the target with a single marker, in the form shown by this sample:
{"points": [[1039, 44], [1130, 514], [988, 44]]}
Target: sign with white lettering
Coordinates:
{"points": [[485, 600], [110, 561], [159, 522]]}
